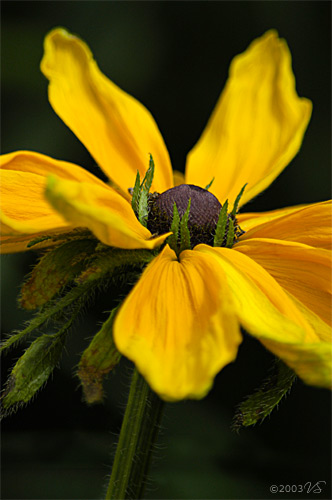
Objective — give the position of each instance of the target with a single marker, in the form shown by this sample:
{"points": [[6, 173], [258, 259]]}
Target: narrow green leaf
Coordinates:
{"points": [[184, 230], [230, 233], [143, 208], [136, 193], [114, 260], [172, 240], [97, 361], [219, 235], [260, 404], [38, 240], [209, 185], [54, 270], [237, 201], [74, 301], [33, 369], [149, 174], [144, 194]]}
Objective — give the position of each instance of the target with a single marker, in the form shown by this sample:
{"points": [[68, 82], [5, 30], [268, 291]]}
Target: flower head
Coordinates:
{"points": [[216, 270]]}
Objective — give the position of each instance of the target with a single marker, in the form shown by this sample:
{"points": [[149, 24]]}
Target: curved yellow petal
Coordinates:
{"points": [[311, 361], [262, 306], [178, 178], [308, 224], [269, 314], [322, 329], [178, 325], [25, 213], [248, 220], [303, 271], [256, 127], [42, 165], [102, 210], [117, 130]]}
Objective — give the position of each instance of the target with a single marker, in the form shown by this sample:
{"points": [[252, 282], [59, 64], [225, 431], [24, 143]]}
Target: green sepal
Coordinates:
{"points": [[209, 185], [136, 193], [184, 230], [230, 233], [140, 195], [35, 241], [33, 369], [144, 194], [237, 201], [54, 270], [259, 405], [98, 359], [219, 235], [172, 240], [70, 304], [113, 262]]}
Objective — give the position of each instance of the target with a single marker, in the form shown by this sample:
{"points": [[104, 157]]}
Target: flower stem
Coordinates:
{"points": [[138, 433]]}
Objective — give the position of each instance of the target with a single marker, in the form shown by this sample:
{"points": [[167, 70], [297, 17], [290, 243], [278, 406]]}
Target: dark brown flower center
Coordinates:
{"points": [[203, 215]]}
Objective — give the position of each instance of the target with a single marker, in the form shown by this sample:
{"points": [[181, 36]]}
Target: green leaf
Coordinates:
{"points": [[40, 239], [54, 270], [219, 235], [33, 369], [114, 261], [230, 233], [172, 240], [209, 185], [144, 194], [72, 302], [97, 361], [184, 230], [136, 193], [237, 201], [260, 404]]}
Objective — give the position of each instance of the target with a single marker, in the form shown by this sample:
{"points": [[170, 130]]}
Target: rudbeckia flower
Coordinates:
{"points": [[269, 273]]}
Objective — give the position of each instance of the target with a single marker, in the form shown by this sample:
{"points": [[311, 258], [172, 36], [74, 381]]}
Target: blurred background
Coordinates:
{"points": [[173, 57]]}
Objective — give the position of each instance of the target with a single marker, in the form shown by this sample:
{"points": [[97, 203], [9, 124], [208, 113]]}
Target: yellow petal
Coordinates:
{"points": [[102, 210], [322, 329], [310, 361], [248, 220], [262, 306], [178, 325], [117, 130], [303, 271], [308, 224], [269, 314], [178, 178], [24, 210], [25, 213], [42, 165], [257, 126]]}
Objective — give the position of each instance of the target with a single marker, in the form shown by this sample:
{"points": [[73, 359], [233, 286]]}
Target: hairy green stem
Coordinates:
{"points": [[138, 434]]}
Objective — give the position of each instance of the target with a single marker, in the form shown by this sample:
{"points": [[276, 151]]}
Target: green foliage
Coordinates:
{"points": [[141, 191], [136, 193], [32, 370], [180, 230], [92, 271], [230, 233], [54, 270], [259, 405], [172, 240], [237, 201], [209, 185], [219, 235], [184, 230], [98, 359]]}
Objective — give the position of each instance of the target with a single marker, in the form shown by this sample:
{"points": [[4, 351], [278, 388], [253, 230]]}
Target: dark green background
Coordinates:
{"points": [[174, 57]]}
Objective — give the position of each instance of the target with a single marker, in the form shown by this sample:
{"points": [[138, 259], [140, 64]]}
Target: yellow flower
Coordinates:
{"points": [[180, 324]]}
